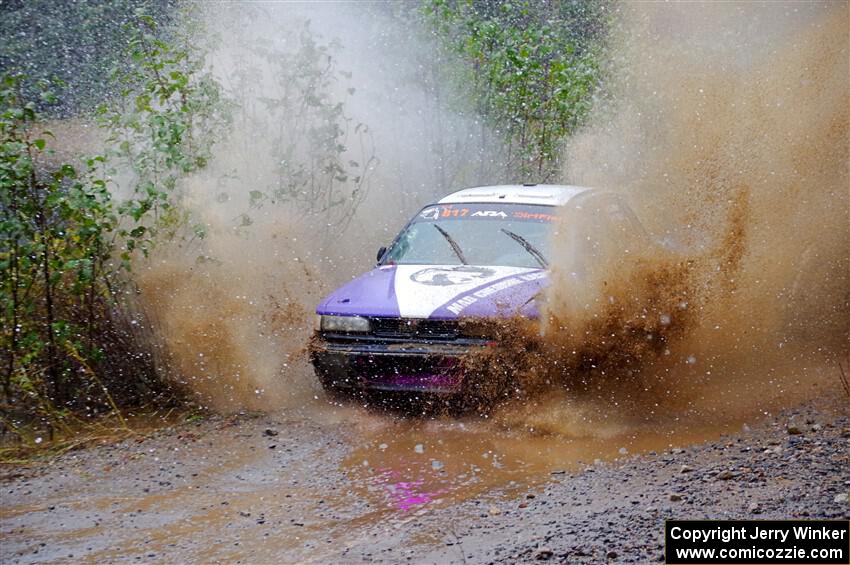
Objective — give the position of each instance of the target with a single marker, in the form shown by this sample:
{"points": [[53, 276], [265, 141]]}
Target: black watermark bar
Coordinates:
{"points": [[763, 542]]}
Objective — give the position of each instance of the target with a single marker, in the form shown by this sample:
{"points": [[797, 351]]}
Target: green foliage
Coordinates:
{"points": [[67, 331], [168, 113], [56, 220], [531, 69]]}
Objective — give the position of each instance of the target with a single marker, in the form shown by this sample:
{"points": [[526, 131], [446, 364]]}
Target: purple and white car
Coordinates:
{"points": [[477, 253]]}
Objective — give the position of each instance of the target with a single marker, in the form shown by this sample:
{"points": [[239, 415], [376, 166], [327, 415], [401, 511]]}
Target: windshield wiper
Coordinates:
{"points": [[533, 251], [453, 243]]}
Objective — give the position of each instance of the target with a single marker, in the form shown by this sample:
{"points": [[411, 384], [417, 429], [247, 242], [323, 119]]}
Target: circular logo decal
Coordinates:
{"points": [[447, 276]]}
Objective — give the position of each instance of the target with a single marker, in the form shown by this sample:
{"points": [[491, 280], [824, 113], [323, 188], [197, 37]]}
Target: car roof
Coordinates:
{"points": [[543, 194]]}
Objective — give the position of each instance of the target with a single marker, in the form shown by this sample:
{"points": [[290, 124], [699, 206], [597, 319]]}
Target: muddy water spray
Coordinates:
{"points": [[235, 311], [732, 150], [730, 137]]}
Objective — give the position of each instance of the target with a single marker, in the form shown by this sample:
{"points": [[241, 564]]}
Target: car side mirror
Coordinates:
{"points": [[381, 251]]}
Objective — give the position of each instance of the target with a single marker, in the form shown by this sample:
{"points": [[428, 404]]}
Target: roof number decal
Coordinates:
{"points": [[514, 212]]}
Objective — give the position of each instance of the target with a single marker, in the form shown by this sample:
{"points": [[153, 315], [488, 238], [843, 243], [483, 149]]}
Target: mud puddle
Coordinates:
{"points": [[405, 465]]}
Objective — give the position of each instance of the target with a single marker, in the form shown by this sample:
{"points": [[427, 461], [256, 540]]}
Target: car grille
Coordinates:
{"points": [[407, 373], [415, 328]]}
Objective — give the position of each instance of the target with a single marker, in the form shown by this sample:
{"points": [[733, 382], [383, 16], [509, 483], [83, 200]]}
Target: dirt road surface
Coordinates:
{"points": [[342, 484]]}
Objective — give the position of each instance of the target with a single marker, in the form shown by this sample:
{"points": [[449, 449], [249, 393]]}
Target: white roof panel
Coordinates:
{"points": [[544, 194]]}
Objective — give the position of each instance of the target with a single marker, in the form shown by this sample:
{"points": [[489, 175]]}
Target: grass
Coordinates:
{"points": [[30, 445]]}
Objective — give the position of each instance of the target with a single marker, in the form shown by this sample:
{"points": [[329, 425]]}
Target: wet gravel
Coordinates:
{"points": [[266, 490], [209, 491], [615, 512]]}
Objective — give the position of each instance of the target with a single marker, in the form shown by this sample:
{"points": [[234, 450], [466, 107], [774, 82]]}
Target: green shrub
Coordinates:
{"points": [[531, 69], [72, 341]]}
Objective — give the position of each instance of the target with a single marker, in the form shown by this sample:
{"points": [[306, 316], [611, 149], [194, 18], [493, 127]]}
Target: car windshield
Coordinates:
{"points": [[514, 235]]}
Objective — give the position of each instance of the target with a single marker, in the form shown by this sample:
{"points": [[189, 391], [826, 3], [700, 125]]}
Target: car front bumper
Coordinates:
{"points": [[389, 365]]}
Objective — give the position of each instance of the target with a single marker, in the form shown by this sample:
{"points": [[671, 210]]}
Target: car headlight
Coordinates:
{"points": [[344, 324]]}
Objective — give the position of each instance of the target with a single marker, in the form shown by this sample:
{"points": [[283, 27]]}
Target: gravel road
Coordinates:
{"points": [[349, 486]]}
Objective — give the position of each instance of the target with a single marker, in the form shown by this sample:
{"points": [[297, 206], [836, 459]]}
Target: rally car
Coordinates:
{"points": [[477, 254]]}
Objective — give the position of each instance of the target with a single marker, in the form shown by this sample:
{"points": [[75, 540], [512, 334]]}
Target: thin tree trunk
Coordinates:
{"points": [[14, 271], [13, 345], [52, 358], [90, 297]]}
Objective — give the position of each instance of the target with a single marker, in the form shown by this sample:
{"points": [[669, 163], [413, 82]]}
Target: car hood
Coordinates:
{"points": [[438, 292]]}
